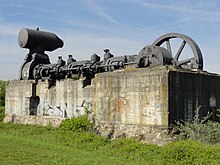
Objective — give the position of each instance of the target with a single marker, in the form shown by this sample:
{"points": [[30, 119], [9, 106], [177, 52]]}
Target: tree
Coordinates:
{"points": [[3, 85]]}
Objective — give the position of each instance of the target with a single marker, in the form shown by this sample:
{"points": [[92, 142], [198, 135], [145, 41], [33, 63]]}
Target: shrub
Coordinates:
{"points": [[190, 152], [77, 132], [77, 124], [132, 150], [3, 85], [202, 130], [82, 140]]}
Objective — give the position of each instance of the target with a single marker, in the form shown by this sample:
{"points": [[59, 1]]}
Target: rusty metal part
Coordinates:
{"points": [[153, 56]]}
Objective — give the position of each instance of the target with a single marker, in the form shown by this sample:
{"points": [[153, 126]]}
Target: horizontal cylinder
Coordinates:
{"points": [[31, 39]]}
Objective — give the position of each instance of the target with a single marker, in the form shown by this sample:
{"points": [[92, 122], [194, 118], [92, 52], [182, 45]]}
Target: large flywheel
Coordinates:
{"points": [[192, 60]]}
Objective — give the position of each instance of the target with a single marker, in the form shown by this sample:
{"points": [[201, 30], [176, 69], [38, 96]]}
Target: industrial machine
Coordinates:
{"points": [[37, 64]]}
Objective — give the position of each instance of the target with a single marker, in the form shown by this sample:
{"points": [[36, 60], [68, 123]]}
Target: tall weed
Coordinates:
{"points": [[200, 129]]}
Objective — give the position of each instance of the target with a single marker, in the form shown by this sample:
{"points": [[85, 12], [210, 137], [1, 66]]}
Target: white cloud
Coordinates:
{"points": [[8, 30], [203, 11], [100, 12], [82, 25], [13, 14]]}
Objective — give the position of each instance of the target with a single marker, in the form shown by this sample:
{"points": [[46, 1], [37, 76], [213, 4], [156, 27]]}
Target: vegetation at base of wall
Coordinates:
{"points": [[48, 145], [3, 85], [77, 124], [203, 130], [191, 152], [76, 77], [75, 143], [2, 113]]}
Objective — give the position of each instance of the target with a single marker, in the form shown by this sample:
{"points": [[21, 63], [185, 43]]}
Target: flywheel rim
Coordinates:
{"points": [[197, 60]]}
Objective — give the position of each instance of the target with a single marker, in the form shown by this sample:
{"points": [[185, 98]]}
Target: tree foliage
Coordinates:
{"points": [[3, 85]]}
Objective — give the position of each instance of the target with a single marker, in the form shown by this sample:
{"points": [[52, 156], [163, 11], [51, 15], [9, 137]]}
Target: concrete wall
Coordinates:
{"points": [[189, 91], [151, 96], [66, 99], [18, 96], [135, 96]]}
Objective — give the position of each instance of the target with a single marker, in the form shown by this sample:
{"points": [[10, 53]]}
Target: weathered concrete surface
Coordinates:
{"points": [[66, 99], [34, 120], [147, 134], [190, 90], [146, 97], [132, 96], [18, 96]]}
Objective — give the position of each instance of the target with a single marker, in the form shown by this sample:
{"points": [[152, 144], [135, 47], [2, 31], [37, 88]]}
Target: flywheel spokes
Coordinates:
{"points": [[195, 61]]}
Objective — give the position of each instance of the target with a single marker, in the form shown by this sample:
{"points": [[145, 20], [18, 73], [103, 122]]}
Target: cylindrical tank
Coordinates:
{"points": [[29, 38]]}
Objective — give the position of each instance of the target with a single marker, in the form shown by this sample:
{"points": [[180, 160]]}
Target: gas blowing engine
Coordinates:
{"points": [[37, 64]]}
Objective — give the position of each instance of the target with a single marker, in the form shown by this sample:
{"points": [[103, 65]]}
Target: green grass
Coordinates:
{"points": [[22, 144], [25, 144], [15, 150]]}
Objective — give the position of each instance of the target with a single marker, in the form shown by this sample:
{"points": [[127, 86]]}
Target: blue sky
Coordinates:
{"points": [[124, 26]]}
